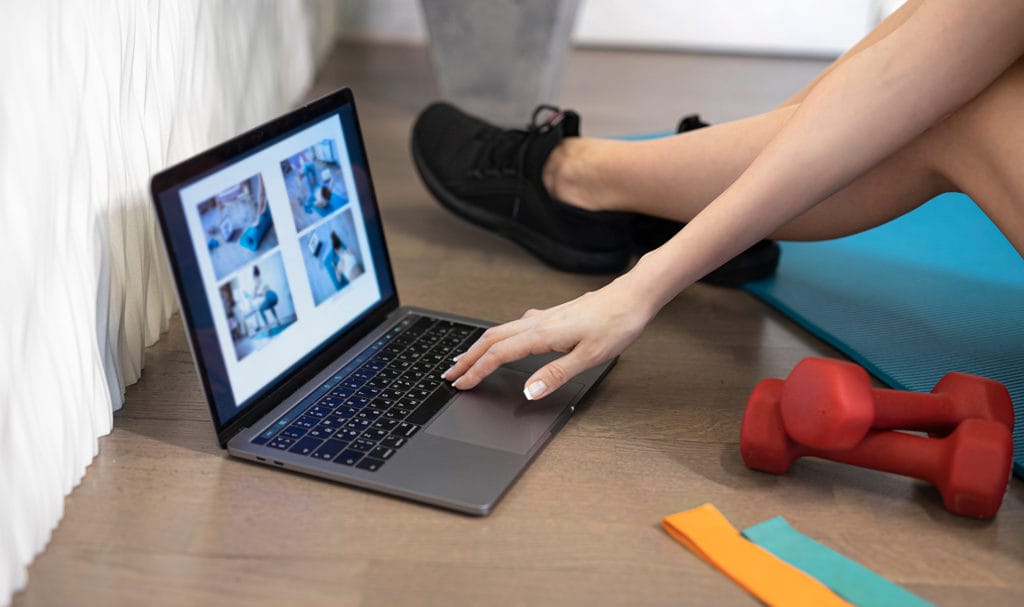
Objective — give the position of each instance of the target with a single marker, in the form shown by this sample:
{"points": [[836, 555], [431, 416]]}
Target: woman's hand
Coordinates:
{"points": [[590, 330]]}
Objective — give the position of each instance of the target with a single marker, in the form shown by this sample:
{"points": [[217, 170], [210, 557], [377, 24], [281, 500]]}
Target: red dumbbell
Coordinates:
{"points": [[830, 404], [970, 467]]}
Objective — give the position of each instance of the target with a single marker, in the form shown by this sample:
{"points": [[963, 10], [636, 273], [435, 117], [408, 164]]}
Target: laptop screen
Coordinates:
{"points": [[277, 249]]}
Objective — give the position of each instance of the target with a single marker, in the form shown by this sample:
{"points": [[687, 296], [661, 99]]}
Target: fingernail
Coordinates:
{"points": [[456, 358], [445, 374], [455, 384], [534, 390]]}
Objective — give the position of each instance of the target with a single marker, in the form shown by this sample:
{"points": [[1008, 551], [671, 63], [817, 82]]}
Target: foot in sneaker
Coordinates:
{"points": [[759, 261], [492, 177]]}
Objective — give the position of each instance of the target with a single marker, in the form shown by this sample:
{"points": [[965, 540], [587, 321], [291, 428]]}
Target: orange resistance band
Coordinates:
{"points": [[707, 533]]}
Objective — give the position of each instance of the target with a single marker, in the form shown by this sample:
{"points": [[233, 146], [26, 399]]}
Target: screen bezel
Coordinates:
{"points": [[195, 308]]}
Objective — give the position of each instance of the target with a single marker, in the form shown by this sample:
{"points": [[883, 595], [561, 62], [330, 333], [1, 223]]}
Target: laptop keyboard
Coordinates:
{"points": [[367, 411]]}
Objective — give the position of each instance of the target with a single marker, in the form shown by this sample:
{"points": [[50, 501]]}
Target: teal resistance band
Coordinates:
{"points": [[847, 578]]}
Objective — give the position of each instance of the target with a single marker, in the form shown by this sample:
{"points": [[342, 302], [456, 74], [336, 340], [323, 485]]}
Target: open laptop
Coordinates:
{"points": [[307, 359]]}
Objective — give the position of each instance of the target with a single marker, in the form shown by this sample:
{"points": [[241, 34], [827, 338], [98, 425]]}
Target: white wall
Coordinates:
{"points": [[787, 27]]}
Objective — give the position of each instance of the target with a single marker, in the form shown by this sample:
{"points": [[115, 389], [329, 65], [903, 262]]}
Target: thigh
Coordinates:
{"points": [[980, 149], [897, 185]]}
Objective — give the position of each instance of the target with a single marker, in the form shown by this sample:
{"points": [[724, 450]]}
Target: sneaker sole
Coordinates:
{"points": [[555, 254]]}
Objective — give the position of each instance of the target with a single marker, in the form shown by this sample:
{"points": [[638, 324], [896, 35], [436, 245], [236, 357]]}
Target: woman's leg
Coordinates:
{"points": [[976, 149], [980, 148], [676, 177], [700, 163], [883, 29]]}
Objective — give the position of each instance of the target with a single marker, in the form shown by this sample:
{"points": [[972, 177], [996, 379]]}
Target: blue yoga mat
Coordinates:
{"points": [[937, 290]]}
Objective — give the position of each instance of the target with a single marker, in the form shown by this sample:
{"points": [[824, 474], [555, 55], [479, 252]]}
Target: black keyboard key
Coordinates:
{"points": [[397, 413], [353, 382], [369, 413], [403, 385], [330, 402], [421, 324], [307, 421], [368, 392], [321, 432], [368, 463], [306, 445], [358, 401], [329, 450], [281, 442], [419, 370], [425, 412], [342, 392], [412, 375], [410, 402], [377, 383], [391, 394], [363, 445], [293, 432], [388, 374], [359, 424], [333, 422], [405, 429], [429, 384], [345, 412], [381, 453], [374, 434], [420, 392], [348, 433], [385, 424], [382, 404], [393, 441], [319, 411], [348, 457]]}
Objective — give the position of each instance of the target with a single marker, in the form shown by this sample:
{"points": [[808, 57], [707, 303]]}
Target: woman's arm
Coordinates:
{"points": [[868, 107], [879, 100]]}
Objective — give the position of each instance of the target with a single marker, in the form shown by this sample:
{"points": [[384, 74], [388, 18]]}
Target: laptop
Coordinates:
{"points": [[307, 359]]}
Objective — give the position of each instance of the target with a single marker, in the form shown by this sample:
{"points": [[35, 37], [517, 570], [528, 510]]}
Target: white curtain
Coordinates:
{"points": [[96, 97]]}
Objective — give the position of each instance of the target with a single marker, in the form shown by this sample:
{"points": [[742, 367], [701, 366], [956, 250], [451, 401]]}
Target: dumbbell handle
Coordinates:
{"points": [[896, 452], [901, 409], [929, 412]]}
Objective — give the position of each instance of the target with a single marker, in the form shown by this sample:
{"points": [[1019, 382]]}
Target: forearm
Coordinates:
{"points": [[859, 114]]}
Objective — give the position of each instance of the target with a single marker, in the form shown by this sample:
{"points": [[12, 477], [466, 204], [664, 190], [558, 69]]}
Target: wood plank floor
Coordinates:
{"points": [[163, 517]]}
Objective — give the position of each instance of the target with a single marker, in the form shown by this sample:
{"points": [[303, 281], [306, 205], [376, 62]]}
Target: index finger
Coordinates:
{"points": [[464, 361], [514, 347]]}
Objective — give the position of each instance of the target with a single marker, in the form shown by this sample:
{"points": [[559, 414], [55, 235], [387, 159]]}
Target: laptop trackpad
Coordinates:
{"points": [[496, 414]]}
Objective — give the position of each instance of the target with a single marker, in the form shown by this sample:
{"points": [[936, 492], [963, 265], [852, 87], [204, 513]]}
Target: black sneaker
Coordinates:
{"points": [[492, 177], [759, 261]]}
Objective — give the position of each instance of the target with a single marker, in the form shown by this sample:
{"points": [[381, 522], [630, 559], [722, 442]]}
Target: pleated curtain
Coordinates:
{"points": [[95, 98]]}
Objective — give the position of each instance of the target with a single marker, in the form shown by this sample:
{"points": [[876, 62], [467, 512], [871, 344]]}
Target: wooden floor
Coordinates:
{"points": [[163, 517]]}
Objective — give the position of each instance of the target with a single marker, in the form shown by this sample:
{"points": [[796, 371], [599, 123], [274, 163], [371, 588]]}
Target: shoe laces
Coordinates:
{"points": [[504, 150]]}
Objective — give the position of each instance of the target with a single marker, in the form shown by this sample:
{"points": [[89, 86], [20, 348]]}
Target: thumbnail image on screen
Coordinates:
{"points": [[315, 184], [257, 302], [237, 225]]}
